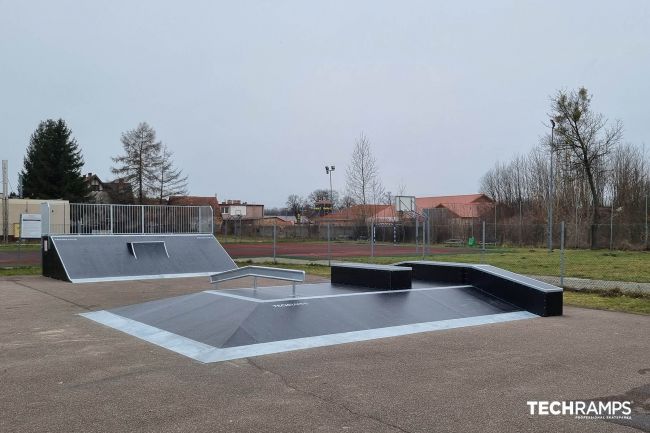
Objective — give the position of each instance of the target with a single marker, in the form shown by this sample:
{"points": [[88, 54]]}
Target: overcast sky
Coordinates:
{"points": [[255, 98]]}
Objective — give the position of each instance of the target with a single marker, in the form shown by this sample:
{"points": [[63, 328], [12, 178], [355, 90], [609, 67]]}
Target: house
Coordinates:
{"points": [[116, 191], [238, 210], [360, 214], [463, 207]]}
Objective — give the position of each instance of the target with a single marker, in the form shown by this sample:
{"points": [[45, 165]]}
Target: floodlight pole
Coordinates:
{"points": [[328, 170], [5, 201], [550, 192], [646, 219]]}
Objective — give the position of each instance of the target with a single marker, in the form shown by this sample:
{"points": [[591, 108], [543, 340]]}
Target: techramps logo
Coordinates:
{"points": [[581, 409]]}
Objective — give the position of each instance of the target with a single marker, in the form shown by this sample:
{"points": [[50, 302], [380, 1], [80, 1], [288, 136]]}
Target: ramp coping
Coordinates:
{"points": [[371, 266]]}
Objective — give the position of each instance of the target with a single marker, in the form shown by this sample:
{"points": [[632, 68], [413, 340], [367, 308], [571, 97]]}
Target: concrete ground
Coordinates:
{"points": [[61, 372]]}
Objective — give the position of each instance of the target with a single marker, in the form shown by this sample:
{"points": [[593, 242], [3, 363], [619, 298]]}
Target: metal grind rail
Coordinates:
{"points": [[256, 272]]}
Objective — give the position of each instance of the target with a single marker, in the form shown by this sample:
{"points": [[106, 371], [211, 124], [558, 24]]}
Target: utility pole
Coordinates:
{"points": [[550, 192], [5, 201]]}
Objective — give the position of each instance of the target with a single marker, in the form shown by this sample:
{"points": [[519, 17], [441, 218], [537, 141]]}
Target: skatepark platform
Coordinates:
{"points": [[219, 325]]}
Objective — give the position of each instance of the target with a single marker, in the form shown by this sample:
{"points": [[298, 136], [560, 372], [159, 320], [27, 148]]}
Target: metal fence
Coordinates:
{"points": [[81, 218], [518, 248]]}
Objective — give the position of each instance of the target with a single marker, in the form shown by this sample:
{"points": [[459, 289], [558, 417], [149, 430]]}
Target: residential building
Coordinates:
{"points": [[238, 210]]}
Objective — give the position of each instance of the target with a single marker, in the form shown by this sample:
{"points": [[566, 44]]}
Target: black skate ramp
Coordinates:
{"points": [[219, 325], [94, 258]]}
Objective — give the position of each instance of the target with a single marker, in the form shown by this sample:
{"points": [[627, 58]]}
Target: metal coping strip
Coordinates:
{"points": [[206, 354], [139, 277], [296, 298]]}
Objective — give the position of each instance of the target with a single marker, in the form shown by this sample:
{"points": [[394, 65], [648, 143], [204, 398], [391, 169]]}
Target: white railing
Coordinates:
{"points": [[117, 219]]}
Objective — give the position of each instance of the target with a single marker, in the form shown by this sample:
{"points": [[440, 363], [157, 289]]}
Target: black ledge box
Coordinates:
{"points": [[383, 277]]}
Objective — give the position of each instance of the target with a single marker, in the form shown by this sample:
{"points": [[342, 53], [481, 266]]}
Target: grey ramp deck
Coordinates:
{"points": [[90, 258], [212, 326]]}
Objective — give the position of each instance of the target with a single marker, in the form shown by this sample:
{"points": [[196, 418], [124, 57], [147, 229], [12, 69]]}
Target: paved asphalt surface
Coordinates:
{"points": [[60, 372]]}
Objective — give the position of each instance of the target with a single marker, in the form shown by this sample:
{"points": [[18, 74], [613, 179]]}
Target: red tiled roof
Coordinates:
{"points": [[191, 200], [465, 206], [431, 202], [377, 211]]}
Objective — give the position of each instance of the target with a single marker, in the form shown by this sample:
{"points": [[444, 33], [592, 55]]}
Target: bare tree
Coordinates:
{"points": [[295, 205], [587, 140], [168, 179], [363, 182], [319, 195], [347, 201], [138, 165]]}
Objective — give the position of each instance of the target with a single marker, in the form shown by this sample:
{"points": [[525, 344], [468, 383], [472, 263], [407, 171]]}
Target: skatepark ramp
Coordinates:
{"points": [[94, 258], [123, 242]]}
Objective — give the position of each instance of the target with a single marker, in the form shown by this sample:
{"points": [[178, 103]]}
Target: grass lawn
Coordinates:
{"points": [[607, 300], [20, 270], [11, 247], [632, 266]]}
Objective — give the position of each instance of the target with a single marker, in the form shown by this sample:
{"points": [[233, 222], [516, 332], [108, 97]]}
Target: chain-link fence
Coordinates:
{"points": [[562, 259]]}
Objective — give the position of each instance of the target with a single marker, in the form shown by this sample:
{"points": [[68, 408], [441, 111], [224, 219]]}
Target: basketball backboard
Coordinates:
{"points": [[405, 203]]}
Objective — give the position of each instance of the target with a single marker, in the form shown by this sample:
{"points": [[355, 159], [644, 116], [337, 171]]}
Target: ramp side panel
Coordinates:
{"points": [[51, 262], [107, 257]]}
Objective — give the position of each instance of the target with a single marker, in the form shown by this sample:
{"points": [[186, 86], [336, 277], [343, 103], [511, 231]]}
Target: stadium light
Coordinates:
{"points": [[550, 192], [328, 170]]}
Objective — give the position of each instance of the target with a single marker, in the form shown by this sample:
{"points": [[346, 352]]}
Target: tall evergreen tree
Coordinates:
{"points": [[52, 166], [140, 161]]}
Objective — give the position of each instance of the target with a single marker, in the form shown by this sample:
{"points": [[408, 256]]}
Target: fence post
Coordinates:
{"points": [[329, 248], [111, 212], [611, 227], [417, 233], [646, 220], [372, 238], [274, 260], [495, 223], [562, 254], [483, 244], [429, 231], [142, 215], [424, 235]]}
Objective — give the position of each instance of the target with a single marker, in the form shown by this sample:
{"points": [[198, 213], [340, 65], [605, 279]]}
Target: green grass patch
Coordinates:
{"points": [[20, 270], [631, 266], [612, 300], [12, 247]]}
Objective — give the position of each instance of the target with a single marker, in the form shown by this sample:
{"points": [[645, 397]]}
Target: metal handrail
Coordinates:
{"points": [[256, 272]]}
